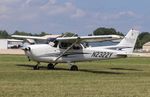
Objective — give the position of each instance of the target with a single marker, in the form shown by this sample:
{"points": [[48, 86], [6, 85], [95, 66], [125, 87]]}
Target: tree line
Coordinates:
{"points": [[4, 34], [142, 38]]}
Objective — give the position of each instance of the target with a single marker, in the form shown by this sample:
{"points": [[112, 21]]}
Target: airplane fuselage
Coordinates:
{"points": [[49, 54]]}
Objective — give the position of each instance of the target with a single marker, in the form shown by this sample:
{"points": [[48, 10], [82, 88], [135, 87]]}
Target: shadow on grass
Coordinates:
{"points": [[25, 65], [81, 70], [31, 66], [100, 72], [125, 69]]}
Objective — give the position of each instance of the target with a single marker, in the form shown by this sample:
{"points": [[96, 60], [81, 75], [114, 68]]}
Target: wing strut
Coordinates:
{"points": [[66, 50]]}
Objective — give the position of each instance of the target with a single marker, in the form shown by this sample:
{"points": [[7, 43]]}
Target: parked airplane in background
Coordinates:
{"points": [[74, 49]]}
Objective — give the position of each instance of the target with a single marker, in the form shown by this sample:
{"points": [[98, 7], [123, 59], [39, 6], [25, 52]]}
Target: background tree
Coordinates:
{"points": [[30, 34], [22, 33], [43, 34], [4, 34], [106, 31], [69, 34], [142, 39]]}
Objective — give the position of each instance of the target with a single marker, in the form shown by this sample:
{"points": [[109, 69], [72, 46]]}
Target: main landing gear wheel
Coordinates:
{"points": [[36, 67], [74, 68], [50, 66]]}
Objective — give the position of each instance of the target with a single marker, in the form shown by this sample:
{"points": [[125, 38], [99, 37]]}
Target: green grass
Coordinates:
{"points": [[128, 77]]}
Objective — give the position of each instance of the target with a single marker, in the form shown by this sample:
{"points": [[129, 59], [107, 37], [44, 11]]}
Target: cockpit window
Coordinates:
{"points": [[85, 44], [55, 43]]}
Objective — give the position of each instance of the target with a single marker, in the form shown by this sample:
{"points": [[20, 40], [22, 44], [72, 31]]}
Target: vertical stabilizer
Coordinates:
{"points": [[129, 41]]}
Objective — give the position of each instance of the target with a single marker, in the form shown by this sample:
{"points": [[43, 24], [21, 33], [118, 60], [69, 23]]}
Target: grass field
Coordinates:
{"points": [[128, 77]]}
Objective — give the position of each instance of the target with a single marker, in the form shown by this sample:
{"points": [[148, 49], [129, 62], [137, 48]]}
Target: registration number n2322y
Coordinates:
{"points": [[102, 54]]}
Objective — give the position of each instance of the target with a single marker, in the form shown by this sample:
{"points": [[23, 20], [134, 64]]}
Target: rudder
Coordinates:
{"points": [[129, 41]]}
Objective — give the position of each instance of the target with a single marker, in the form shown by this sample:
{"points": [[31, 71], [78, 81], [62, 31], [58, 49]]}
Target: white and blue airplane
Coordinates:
{"points": [[74, 49]]}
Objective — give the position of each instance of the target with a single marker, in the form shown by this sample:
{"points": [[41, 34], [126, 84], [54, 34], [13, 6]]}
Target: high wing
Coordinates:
{"points": [[90, 38], [28, 37], [36, 37]]}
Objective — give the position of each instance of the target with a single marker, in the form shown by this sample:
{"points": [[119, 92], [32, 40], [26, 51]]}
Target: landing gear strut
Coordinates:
{"points": [[50, 66], [36, 67]]}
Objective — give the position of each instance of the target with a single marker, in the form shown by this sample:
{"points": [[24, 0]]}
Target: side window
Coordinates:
{"points": [[64, 45], [77, 47]]}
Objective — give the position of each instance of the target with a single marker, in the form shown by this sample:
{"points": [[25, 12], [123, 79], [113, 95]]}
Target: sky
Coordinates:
{"points": [[78, 16]]}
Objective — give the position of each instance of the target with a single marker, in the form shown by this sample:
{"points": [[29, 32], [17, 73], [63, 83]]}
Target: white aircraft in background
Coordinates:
{"points": [[73, 49]]}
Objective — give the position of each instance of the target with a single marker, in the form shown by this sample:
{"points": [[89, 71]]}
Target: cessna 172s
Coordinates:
{"points": [[73, 49]]}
